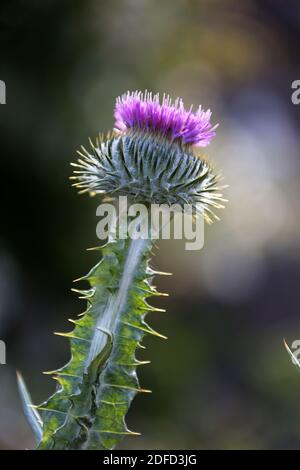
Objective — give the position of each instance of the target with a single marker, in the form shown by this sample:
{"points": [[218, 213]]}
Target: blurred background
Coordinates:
{"points": [[223, 380]]}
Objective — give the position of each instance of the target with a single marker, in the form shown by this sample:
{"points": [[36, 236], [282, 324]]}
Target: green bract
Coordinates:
{"points": [[149, 168]]}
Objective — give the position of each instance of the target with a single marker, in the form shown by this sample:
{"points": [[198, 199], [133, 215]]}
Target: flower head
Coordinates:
{"points": [[139, 110], [149, 157]]}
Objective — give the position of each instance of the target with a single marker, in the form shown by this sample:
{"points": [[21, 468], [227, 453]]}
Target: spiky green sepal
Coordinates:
{"points": [[96, 387]]}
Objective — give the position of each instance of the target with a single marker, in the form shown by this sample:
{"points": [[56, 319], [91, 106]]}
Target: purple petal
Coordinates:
{"points": [[144, 111]]}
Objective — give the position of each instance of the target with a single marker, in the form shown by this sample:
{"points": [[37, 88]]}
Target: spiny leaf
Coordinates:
{"points": [[96, 387], [293, 357], [30, 411]]}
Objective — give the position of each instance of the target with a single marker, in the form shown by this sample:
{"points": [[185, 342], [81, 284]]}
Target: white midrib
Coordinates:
{"points": [[108, 320]]}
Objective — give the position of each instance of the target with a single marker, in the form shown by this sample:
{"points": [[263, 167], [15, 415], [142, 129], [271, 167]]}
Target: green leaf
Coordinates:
{"points": [[292, 355], [30, 411], [97, 386]]}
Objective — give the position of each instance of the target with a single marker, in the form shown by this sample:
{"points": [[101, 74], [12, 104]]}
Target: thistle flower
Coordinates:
{"points": [[149, 157]]}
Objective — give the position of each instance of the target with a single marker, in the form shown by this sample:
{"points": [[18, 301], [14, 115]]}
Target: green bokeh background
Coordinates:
{"points": [[223, 379]]}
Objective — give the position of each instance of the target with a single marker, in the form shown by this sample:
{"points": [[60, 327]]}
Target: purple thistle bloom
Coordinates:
{"points": [[143, 111]]}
